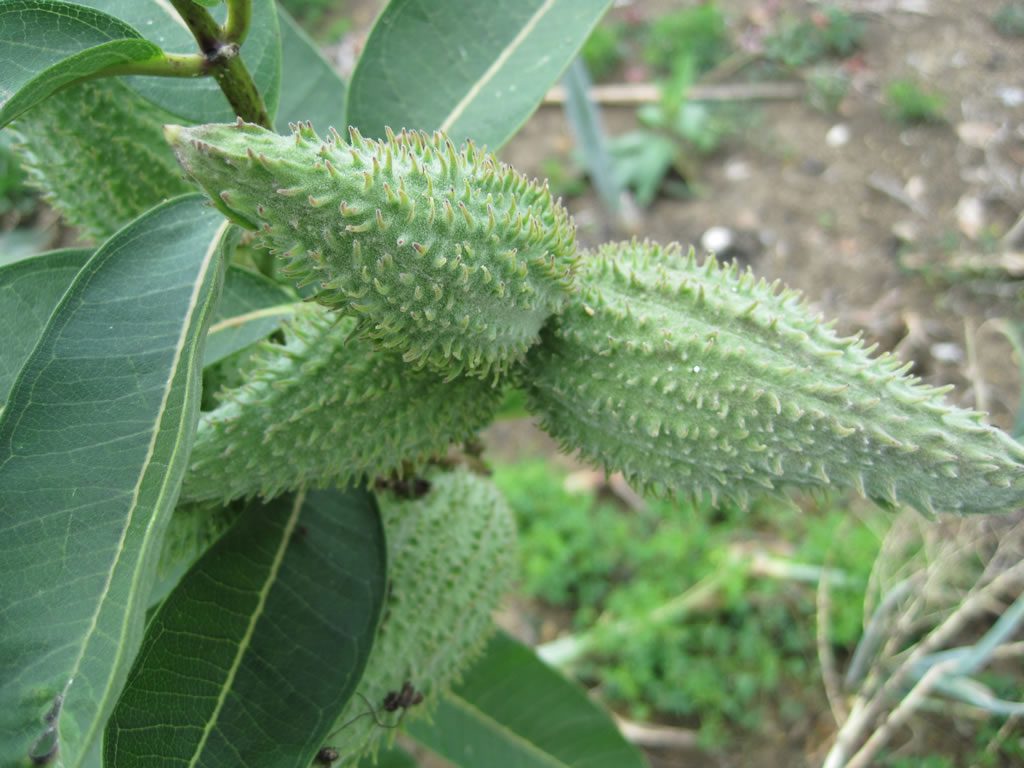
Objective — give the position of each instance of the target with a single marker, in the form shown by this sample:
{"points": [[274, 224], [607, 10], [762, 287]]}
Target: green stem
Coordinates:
{"points": [[167, 65], [222, 59], [239, 21]]}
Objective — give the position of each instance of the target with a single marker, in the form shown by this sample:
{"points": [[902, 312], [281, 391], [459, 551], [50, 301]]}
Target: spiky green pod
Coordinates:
{"points": [[450, 257], [97, 150], [326, 407], [451, 556], [694, 378]]}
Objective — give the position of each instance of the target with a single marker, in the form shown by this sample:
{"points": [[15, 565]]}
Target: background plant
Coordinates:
{"points": [[115, 484]]}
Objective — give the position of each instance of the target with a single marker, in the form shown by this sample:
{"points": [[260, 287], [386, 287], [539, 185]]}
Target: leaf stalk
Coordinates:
{"points": [[220, 48]]}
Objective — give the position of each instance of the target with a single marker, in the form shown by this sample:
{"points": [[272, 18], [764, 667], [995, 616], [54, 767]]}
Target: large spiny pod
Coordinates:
{"points": [[694, 378], [449, 257], [326, 407], [97, 151], [451, 556]]}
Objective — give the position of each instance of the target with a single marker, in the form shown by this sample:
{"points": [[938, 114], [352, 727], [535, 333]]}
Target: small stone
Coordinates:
{"points": [[915, 188], [976, 134], [737, 170], [970, 216], [838, 135], [1010, 96], [717, 240], [906, 231], [947, 352]]}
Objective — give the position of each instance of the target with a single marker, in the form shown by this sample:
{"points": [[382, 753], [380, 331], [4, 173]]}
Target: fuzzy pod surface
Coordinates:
{"points": [[451, 556], [695, 378], [326, 407], [449, 257], [96, 149]]}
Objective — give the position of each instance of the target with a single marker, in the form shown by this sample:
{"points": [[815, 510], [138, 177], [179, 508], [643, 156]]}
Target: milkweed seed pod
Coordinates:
{"points": [[692, 377], [326, 407], [451, 556], [449, 257], [97, 150]]}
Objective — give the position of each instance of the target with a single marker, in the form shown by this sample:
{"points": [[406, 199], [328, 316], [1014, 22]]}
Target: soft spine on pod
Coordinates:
{"points": [[326, 407], [693, 377], [97, 150], [448, 256], [451, 556]]}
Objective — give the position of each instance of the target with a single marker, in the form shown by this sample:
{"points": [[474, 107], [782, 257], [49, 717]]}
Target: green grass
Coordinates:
{"points": [[910, 103], [747, 658]]}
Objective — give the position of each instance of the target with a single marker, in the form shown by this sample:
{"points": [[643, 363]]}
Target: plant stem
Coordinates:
{"points": [[167, 65], [239, 21], [222, 56]]}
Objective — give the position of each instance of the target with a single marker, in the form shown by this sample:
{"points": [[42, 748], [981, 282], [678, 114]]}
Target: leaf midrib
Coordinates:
{"points": [[489, 722], [243, 645], [197, 290], [496, 65]]}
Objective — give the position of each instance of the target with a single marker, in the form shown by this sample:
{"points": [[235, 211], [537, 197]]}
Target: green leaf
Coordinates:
{"points": [[315, 92], [250, 659], [475, 71], [396, 757], [45, 45], [93, 444], [251, 307], [29, 291], [200, 100], [513, 710]]}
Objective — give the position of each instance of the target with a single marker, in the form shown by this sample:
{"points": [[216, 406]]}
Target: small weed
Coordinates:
{"points": [[842, 32], [641, 161], [699, 33], [826, 88], [1009, 20], [564, 178], [799, 42], [603, 53], [676, 132], [910, 103]]}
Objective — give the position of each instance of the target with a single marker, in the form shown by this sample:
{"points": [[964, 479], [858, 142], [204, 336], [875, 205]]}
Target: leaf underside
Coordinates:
{"points": [[92, 450]]}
